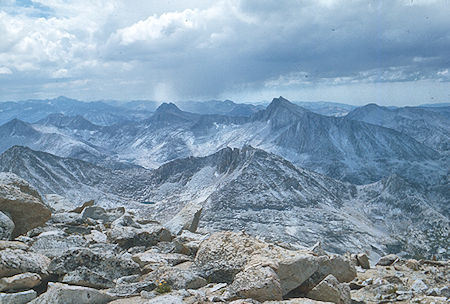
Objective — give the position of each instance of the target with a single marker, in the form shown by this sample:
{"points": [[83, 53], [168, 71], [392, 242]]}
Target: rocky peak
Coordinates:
{"points": [[283, 103], [169, 113], [17, 127], [168, 108], [281, 112]]}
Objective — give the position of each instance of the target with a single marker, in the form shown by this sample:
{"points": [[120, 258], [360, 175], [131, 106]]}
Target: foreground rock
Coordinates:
{"points": [[18, 297], [127, 233], [405, 281], [225, 254], [6, 226], [17, 261], [85, 267], [98, 255], [258, 282], [22, 203], [177, 277], [187, 219], [329, 289], [54, 243], [388, 260], [21, 281], [58, 293]]}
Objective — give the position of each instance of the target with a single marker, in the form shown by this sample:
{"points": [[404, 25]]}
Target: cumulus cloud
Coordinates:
{"points": [[230, 48], [5, 70]]}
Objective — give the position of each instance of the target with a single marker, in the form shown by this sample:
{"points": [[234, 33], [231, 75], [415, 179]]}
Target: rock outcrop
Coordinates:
{"points": [[21, 281], [6, 226], [16, 261], [187, 219], [227, 255], [22, 203], [58, 293], [86, 267]]}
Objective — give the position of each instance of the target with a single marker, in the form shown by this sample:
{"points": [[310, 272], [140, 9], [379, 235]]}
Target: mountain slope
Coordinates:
{"points": [[341, 148], [72, 178], [17, 132], [70, 122], [253, 190], [327, 108], [426, 125], [59, 140]]}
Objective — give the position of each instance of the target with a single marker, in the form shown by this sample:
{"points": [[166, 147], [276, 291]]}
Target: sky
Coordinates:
{"points": [[390, 52]]}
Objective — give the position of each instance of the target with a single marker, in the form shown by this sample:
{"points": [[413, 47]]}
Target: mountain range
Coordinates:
{"points": [[374, 179], [340, 147], [252, 190], [428, 125]]}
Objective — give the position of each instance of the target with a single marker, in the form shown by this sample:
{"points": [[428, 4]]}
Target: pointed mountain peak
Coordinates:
{"points": [[281, 101], [167, 107], [16, 124], [168, 113], [16, 121], [281, 112]]}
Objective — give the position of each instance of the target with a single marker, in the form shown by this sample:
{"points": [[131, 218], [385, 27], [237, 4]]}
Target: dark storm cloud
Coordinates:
{"points": [[231, 47]]}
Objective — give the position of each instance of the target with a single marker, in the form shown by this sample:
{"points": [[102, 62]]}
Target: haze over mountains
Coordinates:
{"points": [[375, 179]]}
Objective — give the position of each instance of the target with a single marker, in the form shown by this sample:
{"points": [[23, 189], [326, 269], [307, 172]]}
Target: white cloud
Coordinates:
{"points": [[203, 49], [5, 70], [156, 27]]}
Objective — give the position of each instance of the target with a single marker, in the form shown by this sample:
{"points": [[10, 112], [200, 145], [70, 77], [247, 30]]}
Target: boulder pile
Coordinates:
{"points": [[97, 255]]}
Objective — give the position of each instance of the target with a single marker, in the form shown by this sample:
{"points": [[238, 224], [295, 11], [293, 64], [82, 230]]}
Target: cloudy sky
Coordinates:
{"points": [[388, 52]]}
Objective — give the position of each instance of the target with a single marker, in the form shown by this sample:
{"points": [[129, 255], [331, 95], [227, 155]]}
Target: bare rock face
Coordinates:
{"points": [[54, 243], [66, 294], [128, 233], [363, 260], [20, 281], [22, 203], [225, 254], [187, 219], [177, 277], [152, 257], [15, 261], [6, 226], [257, 282], [18, 297], [13, 245], [387, 260], [85, 267], [340, 267], [331, 290]]}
